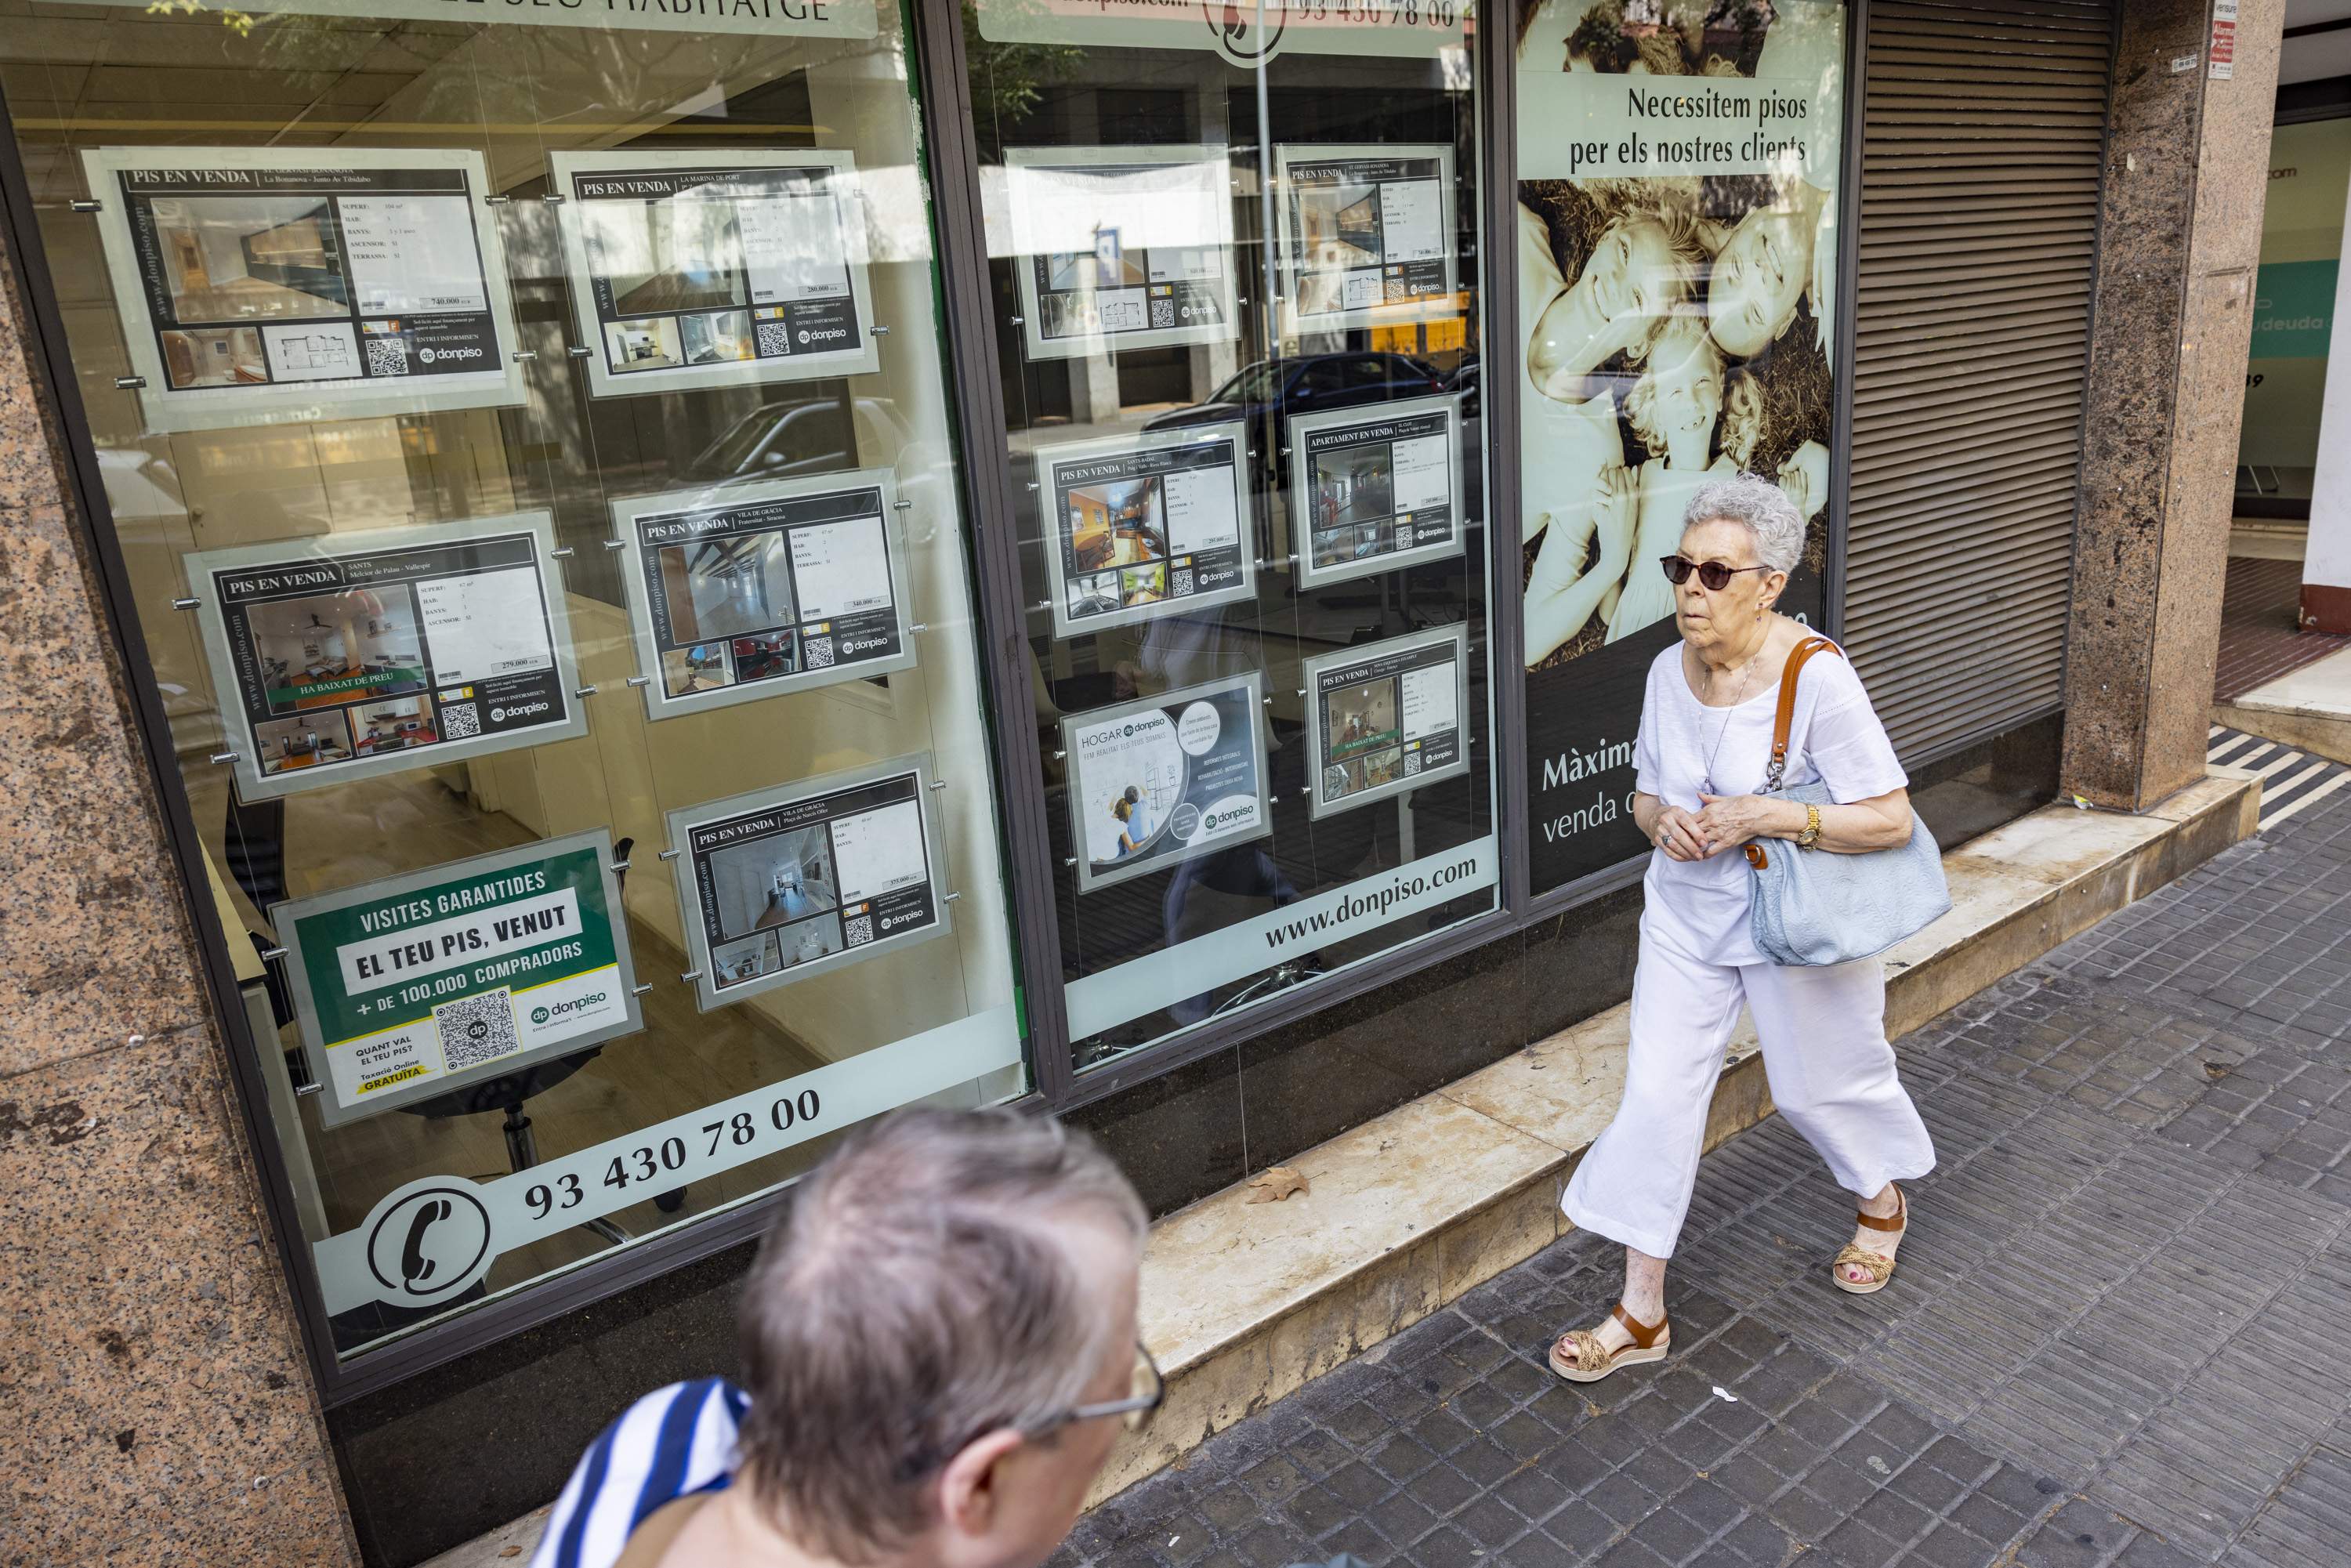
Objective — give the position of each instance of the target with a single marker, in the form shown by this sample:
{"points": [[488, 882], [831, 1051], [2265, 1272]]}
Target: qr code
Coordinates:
{"points": [[474, 1029], [1396, 290], [819, 653], [775, 338], [857, 930], [1163, 312], [387, 355], [1411, 763], [460, 721], [1180, 581]]}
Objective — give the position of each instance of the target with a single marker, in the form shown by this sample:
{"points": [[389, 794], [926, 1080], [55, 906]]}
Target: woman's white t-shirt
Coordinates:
{"points": [[1834, 738]]}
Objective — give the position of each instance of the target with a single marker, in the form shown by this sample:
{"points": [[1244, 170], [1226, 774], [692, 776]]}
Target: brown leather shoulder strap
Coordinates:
{"points": [[1797, 656], [659, 1531]]}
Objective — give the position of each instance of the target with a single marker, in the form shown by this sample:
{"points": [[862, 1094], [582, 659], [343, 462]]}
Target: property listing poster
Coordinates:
{"points": [[1153, 524], [780, 885], [1163, 780], [715, 268], [413, 985], [1388, 717], [260, 285], [350, 655], [1677, 278], [1374, 488], [750, 591], [1121, 247], [1367, 234]]}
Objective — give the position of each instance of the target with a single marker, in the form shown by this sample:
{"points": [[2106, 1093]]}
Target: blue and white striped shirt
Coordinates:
{"points": [[673, 1442]]}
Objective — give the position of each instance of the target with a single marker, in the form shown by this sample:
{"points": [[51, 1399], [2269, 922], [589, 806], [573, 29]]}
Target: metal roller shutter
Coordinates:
{"points": [[1983, 131]]}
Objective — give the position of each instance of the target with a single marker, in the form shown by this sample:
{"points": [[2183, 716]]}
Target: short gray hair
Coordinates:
{"points": [[915, 1296], [1759, 506]]}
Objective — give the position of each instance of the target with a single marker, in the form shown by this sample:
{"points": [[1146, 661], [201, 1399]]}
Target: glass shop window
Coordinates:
{"points": [[528, 448], [1235, 273]]}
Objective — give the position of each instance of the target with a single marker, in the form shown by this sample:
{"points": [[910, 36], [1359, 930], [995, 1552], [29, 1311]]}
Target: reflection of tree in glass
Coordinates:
{"points": [[1007, 80]]}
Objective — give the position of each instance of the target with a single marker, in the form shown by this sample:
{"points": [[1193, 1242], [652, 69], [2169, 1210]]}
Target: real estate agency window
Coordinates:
{"points": [[528, 450], [1238, 321]]}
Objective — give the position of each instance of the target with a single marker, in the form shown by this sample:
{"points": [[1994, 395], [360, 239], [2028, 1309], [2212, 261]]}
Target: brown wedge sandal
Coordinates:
{"points": [[1879, 1267], [1593, 1361]]}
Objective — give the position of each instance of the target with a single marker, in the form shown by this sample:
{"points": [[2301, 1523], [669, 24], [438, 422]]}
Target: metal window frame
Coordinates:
{"points": [[940, 84]]}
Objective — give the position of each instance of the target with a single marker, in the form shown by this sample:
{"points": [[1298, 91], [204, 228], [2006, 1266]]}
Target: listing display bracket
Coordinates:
{"points": [[1166, 778], [701, 269], [781, 883], [1387, 717], [412, 986], [1375, 488], [272, 286], [807, 581], [1157, 522], [1121, 247], [350, 655], [1367, 234]]}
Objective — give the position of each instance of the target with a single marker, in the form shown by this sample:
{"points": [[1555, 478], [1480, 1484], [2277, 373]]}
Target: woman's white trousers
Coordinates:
{"points": [[1831, 1075]]}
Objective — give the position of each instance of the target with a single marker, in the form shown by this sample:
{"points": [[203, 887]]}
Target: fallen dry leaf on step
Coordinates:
{"points": [[1277, 1183], [2217, 1070], [509, 1551]]}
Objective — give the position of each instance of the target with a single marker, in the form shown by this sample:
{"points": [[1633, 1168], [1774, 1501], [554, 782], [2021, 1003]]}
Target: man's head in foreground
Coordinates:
{"points": [[929, 1339]]}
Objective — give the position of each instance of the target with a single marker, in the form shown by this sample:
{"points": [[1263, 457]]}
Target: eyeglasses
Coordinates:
{"points": [[1713, 574], [1148, 1391], [1145, 1393]]}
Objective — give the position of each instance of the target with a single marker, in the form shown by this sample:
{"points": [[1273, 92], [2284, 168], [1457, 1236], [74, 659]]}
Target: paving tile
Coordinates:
{"points": [[2113, 1342]]}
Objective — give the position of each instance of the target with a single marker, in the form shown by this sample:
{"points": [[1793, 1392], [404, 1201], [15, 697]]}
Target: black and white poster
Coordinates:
{"points": [[1145, 525], [259, 285], [1677, 266], [1165, 778], [715, 269], [748, 591], [782, 883], [1388, 717], [349, 655], [1376, 487], [1121, 247], [1367, 234]]}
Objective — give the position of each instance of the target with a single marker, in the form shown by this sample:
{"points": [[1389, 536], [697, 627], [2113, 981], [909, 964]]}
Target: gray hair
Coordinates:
{"points": [[917, 1295], [1759, 506]]}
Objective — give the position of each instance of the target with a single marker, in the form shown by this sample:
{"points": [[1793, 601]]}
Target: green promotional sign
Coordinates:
{"points": [[2293, 309], [409, 985]]}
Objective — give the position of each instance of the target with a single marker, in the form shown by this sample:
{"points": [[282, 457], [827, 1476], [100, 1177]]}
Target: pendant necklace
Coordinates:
{"points": [[1729, 713]]}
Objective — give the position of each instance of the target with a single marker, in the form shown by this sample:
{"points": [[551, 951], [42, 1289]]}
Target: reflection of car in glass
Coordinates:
{"points": [[1307, 385], [1462, 381], [788, 439]]}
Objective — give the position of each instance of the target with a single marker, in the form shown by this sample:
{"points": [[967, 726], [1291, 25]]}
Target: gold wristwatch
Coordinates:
{"points": [[1811, 835]]}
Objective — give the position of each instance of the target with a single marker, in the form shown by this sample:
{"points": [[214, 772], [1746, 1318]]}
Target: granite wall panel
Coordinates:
{"points": [[152, 1365], [2180, 232]]}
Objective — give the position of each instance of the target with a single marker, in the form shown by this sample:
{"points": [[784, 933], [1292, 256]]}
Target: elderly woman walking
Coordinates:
{"points": [[1707, 723]]}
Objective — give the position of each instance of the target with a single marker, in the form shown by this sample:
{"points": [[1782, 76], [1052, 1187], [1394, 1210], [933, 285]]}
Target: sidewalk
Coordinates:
{"points": [[2119, 1334]]}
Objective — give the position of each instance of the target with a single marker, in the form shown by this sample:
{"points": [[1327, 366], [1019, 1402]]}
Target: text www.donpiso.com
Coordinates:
{"points": [[1371, 906]]}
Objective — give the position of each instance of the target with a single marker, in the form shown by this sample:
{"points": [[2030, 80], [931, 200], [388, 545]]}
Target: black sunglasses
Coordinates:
{"points": [[1713, 574]]}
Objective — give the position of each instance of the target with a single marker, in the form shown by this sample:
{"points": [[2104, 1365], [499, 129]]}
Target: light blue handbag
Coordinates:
{"points": [[1814, 907]]}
